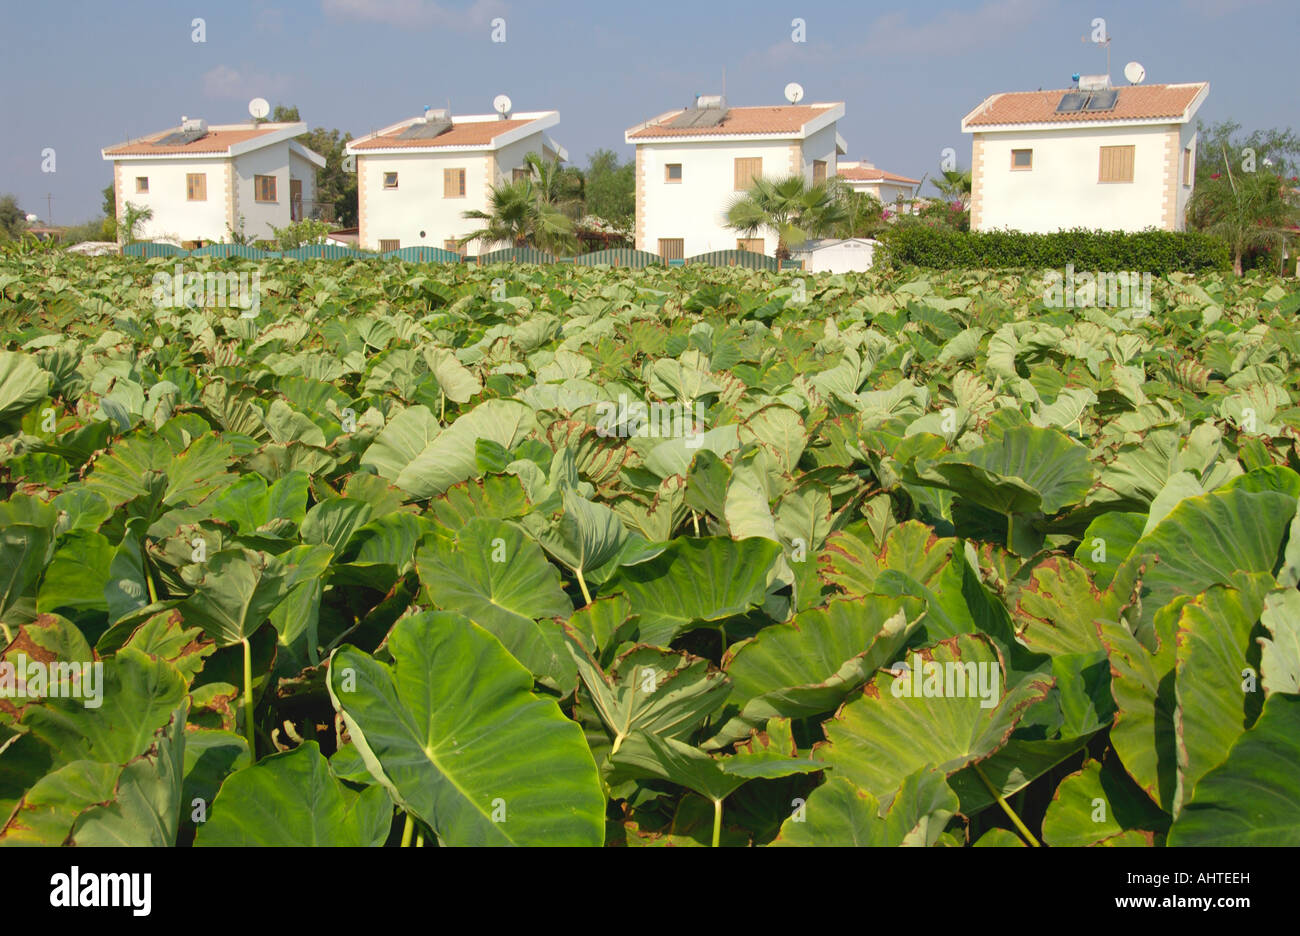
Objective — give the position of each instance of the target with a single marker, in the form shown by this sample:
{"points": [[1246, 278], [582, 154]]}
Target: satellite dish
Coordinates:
{"points": [[794, 92], [1134, 72], [259, 108], [501, 104]]}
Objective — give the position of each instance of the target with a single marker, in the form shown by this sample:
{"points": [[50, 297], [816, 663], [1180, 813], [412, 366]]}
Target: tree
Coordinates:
{"points": [[1250, 210], [954, 186], [132, 217], [557, 185], [611, 188], [789, 207], [335, 187], [863, 212], [1222, 144], [519, 215], [13, 220], [108, 229]]}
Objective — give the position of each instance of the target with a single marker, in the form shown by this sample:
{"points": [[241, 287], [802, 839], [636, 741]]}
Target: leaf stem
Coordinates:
{"points": [[1006, 808], [1009, 529], [582, 583], [148, 578], [408, 830], [717, 822], [249, 733]]}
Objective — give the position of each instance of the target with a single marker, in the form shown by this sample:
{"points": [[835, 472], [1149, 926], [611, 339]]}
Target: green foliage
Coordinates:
{"points": [[789, 207], [299, 233], [13, 220], [661, 556], [1155, 252], [611, 188]]}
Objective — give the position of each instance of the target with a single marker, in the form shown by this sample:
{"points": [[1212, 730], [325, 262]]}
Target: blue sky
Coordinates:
{"points": [[80, 76]]}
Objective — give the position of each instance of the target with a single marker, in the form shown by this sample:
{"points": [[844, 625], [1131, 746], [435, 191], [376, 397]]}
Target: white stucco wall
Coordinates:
{"points": [[260, 217], [1186, 137], [176, 219], [1062, 189], [418, 204], [821, 145], [512, 155], [695, 208], [846, 256], [305, 170]]}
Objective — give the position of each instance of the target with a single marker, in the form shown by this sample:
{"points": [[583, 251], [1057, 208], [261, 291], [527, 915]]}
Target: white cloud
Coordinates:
{"points": [[414, 13], [954, 30], [227, 83]]}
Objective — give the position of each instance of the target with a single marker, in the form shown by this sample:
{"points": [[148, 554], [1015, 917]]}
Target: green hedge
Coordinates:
{"points": [[1151, 251]]}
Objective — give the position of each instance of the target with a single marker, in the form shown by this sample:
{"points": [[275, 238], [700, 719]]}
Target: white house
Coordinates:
{"points": [[417, 177], [202, 182], [836, 255], [1095, 157], [888, 187], [691, 163]]}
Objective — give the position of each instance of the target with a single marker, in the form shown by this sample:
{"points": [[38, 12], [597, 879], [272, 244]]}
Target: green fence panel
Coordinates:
{"points": [[516, 255], [423, 255], [322, 252], [149, 249], [620, 257], [741, 258]]}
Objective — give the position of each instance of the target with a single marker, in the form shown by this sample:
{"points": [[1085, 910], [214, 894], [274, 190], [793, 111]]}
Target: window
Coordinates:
{"points": [[264, 188], [142, 185], [1116, 164], [1187, 166], [819, 171], [751, 244], [387, 245], [295, 199], [672, 248], [1022, 159], [453, 246], [196, 186], [673, 172], [747, 170], [390, 180], [453, 183], [519, 175]]}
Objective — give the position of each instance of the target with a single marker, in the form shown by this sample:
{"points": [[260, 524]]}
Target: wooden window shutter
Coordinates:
{"points": [[196, 186], [453, 183], [747, 170], [671, 248], [1116, 164]]}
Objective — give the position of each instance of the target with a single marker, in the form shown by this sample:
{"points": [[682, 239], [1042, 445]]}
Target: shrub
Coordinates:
{"points": [[1150, 251]]}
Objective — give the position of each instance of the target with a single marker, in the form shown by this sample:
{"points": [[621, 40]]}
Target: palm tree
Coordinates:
{"points": [[790, 207], [863, 212], [1248, 210], [955, 186], [561, 186], [519, 216]]}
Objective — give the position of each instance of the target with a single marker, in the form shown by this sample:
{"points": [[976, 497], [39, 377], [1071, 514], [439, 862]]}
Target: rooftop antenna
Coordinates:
{"points": [[1134, 72], [1103, 42], [724, 81], [794, 92], [258, 108]]}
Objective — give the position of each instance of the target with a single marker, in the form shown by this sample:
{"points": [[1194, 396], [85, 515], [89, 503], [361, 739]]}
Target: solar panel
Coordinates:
{"points": [[1102, 100], [425, 130], [181, 138], [1072, 102], [699, 117]]}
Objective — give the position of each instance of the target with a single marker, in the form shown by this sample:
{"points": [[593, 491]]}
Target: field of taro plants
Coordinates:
{"points": [[517, 555]]}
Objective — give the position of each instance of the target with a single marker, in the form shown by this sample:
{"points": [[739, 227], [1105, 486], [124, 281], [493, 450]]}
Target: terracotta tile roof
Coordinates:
{"points": [[466, 133], [858, 174], [1136, 102], [216, 141], [740, 121]]}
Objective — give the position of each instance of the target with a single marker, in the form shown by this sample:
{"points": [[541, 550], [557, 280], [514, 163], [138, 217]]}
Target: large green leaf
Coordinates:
{"points": [[498, 578], [840, 814], [696, 583], [465, 755], [293, 799], [1253, 798]]}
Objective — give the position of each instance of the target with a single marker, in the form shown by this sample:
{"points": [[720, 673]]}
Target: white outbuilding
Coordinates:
{"points": [[836, 255]]}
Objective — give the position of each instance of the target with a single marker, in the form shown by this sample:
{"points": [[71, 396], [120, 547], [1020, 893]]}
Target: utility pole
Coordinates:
{"points": [[49, 208]]}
